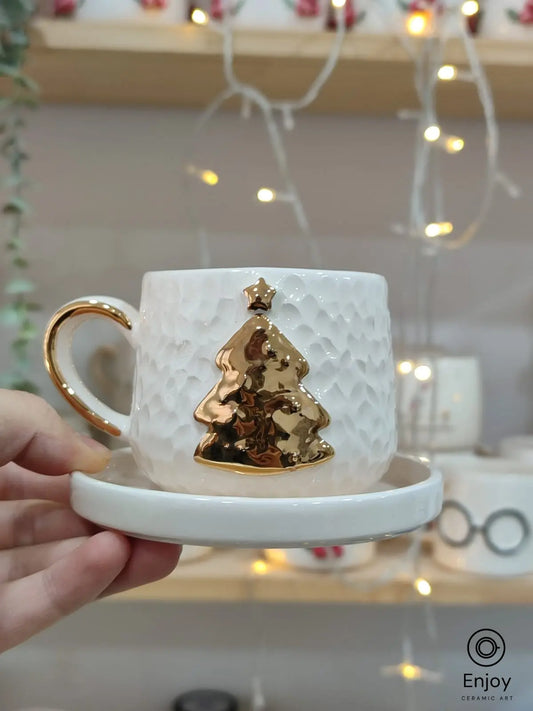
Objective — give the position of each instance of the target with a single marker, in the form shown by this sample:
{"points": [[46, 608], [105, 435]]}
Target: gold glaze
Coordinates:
{"points": [[78, 308], [260, 418], [259, 295]]}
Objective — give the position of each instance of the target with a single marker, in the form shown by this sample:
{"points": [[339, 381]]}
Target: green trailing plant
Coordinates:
{"points": [[18, 93]]}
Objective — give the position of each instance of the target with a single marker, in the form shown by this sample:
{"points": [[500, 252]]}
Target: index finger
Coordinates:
{"points": [[34, 436]]}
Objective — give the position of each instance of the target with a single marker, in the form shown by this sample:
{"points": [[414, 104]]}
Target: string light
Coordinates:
{"points": [[417, 23], [405, 367], [199, 17], [260, 567], [209, 177], [432, 133], [422, 586], [423, 373], [438, 229], [470, 8], [339, 4], [411, 672], [448, 72], [454, 144], [266, 195]]}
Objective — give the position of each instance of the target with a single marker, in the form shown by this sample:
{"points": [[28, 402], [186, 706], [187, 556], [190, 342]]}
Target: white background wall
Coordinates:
{"points": [[108, 205]]}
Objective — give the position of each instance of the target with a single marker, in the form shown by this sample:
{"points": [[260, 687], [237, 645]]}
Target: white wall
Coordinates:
{"points": [[109, 204], [139, 656]]}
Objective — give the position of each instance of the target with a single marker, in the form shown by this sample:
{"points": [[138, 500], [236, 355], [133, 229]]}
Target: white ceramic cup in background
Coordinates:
{"points": [[324, 558], [170, 11], [274, 14], [486, 522], [439, 402], [508, 19], [520, 447], [189, 320]]}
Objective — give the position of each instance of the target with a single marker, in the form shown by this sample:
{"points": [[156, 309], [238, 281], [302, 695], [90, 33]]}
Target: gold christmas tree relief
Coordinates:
{"points": [[260, 418]]}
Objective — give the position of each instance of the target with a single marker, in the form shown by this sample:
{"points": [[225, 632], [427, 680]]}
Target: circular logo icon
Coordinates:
{"points": [[486, 648]]}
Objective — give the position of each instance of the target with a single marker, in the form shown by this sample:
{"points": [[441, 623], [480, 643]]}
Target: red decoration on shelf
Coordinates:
{"points": [[424, 6], [217, 9], [154, 4], [526, 16], [351, 17], [322, 553], [307, 8], [64, 8]]}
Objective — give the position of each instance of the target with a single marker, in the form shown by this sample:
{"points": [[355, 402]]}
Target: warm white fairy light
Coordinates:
{"points": [[423, 373], [454, 144], [405, 367], [266, 195], [423, 587], [199, 17], [469, 8], [432, 133], [417, 23], [448, 72], [438, 229], [209, 177], [260, 567], [338, 3]]}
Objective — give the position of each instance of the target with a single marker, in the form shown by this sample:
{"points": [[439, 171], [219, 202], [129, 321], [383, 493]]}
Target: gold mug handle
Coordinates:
{"points": [[60, 365]]}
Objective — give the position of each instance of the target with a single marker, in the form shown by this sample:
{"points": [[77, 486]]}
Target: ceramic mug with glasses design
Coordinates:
{"points": [[487, 517], [248, 381]]}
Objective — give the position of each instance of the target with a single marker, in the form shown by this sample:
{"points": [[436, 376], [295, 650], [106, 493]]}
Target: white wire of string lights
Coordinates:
{"points": [[273, 113]]}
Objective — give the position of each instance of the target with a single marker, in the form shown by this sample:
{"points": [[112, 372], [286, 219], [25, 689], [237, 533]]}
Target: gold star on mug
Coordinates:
{"points": [[259, 295]]}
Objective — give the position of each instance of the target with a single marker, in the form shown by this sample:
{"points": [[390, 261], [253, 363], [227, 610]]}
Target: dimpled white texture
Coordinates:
{"points": [[338, 320]]}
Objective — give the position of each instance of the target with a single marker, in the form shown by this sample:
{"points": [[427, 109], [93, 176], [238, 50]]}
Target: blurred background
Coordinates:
{"points": [[410, 157]]}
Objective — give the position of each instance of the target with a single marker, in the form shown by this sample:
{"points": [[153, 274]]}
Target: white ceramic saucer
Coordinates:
{"points": [[121, 497]]}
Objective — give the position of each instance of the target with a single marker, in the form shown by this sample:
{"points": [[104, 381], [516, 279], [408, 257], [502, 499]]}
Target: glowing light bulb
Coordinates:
{"points": [[447, 72], [209, 177], [405, 367], [199, 17], [454, 144], [423, 373], [432, 133], [446, 228], [423, 587], [432, 230], [266, 195], [259, 567], [410, 671], [417, 23], [470, 7], [338, 3]]}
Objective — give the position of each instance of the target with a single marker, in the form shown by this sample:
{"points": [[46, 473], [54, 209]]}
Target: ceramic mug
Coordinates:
{"points": [[508, 19], [248, 381], [487, 517], [325, 558], [159, 11], [439, 402]]}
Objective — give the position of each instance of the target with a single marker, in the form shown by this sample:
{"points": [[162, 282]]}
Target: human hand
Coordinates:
{"points": [[53, 562]]}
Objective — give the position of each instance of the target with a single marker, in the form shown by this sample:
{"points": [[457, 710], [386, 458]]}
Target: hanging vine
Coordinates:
{"points": [[18, 93]]}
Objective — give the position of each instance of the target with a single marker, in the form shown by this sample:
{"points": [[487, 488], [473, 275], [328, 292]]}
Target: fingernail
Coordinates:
{"points": [[95, 455]]}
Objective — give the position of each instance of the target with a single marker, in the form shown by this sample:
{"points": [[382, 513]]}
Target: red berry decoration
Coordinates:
{"points": [[320, 553], [154, 4], [307, 8], [338, 551], [526, 16], [64, 8], [350, 16], [217, 9]]}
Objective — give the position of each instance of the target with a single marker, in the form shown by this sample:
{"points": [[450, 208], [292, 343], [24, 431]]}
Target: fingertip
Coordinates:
{"points": [[90, 456]]}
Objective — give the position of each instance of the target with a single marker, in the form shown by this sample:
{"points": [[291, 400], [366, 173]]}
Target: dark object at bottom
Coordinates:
{"points": [[206, 700]]}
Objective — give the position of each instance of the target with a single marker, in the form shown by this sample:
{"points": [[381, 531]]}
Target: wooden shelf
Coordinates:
{"points": [[226, 576], [128, 64]]}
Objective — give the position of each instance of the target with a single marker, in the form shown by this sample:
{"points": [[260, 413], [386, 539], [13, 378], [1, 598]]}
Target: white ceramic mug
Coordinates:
{"points": [[165, 11], [508, 19], [439, 402], [486, 522], [325, 558], [296, 400]]}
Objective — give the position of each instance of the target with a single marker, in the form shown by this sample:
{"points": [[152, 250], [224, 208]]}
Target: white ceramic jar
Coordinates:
{"points": [[159, 11], [487, 518], [508, 19], [324, 558], [439, 402]]}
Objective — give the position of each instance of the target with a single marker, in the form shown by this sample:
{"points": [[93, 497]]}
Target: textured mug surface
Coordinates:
{"points": [[338, 321]]}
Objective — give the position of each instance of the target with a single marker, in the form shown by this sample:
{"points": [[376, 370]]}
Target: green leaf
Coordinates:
{"points": [[513, 15], [28, 331], [9, 316], [7, 70], [25, 385], [33, 306], [16, 206], [18, 38], [19, 286], [27, 83], [20, 263]]}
